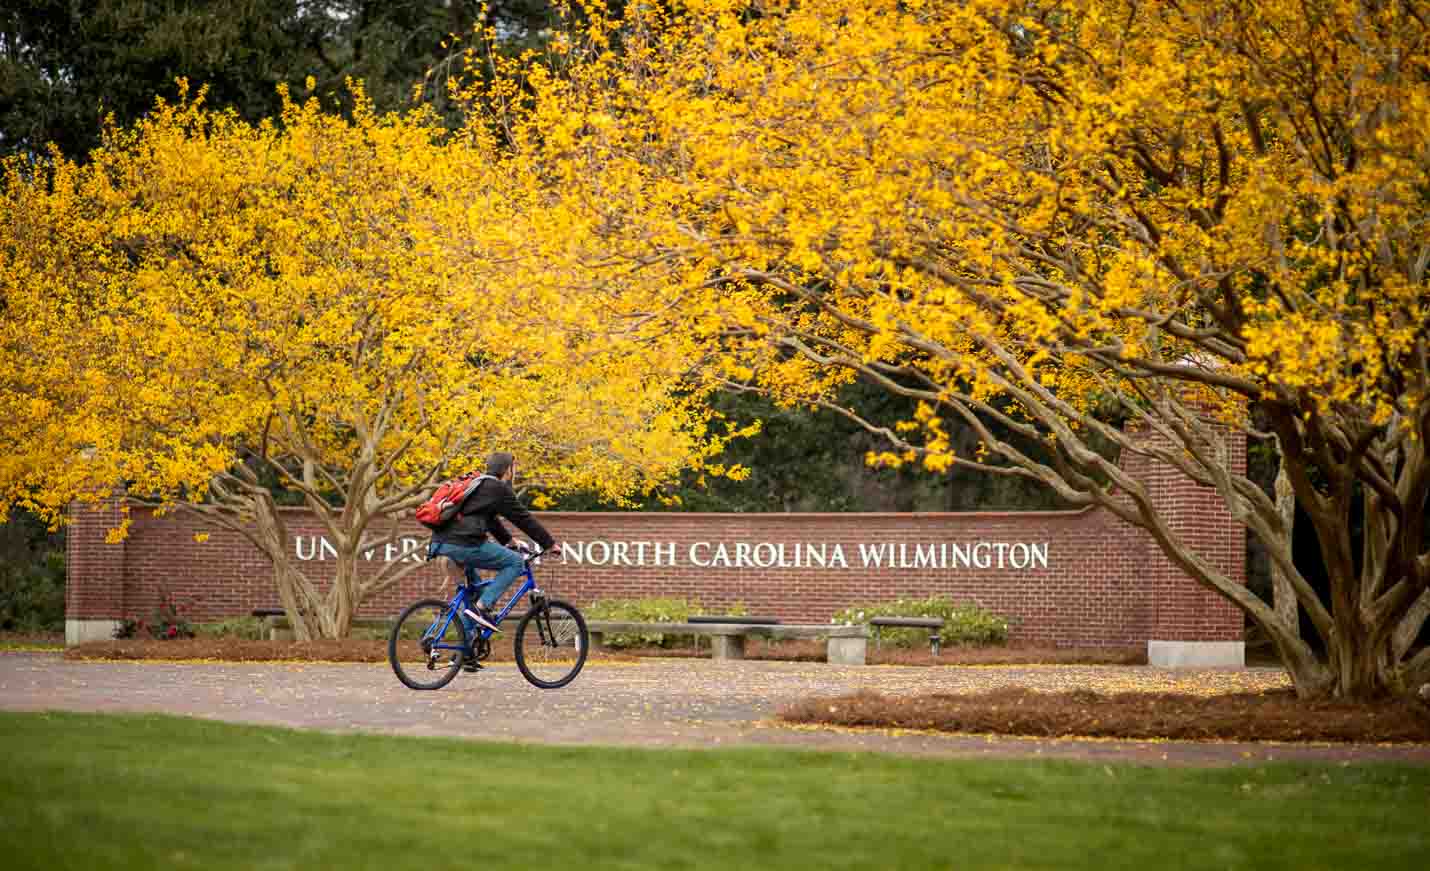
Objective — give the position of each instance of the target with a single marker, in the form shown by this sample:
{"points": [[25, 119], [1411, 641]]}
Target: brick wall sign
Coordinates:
{"points": [[1079, 578]]}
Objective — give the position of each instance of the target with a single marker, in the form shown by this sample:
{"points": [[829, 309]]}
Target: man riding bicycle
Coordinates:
{"points": [[476, 539]]}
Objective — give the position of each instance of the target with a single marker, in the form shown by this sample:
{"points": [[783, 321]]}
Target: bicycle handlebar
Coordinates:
{"points": [[529, 558]]}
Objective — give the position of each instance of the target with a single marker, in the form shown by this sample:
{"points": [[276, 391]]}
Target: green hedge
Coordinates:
{"points": [[965, 623], [650, 610], [32, 597]]}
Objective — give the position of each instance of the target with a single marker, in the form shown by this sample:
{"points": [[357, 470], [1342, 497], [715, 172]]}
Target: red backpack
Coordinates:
{"points": [[442, 506]]}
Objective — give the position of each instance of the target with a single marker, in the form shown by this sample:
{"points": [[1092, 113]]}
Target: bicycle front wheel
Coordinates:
{"points": [[551, 644], [425, 648]]}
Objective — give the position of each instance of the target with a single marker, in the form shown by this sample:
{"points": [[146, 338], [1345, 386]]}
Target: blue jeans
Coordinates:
{"points": [[508, 564]]}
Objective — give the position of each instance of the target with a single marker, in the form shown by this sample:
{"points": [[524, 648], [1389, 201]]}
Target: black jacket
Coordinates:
{"points": [[477, 518]]}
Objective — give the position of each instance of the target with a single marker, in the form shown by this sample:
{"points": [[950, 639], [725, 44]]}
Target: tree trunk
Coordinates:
{"points": [[300, 611], [1363, 667], [295, 592], [1361, 660], [1410, 626], [1360, 649], [312, 612], [343, 597], [1283, 594], [1309, 675]]}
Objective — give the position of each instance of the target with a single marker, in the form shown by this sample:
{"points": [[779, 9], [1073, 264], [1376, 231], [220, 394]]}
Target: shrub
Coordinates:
{"points": [[32, 597], [168, 622], [379, 630], [250, 628], [962, 623], [650, 610]]}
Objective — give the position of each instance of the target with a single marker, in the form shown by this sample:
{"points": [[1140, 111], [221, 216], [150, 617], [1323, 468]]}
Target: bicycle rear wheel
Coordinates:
{"points": [[422, 658], [551, 644]]}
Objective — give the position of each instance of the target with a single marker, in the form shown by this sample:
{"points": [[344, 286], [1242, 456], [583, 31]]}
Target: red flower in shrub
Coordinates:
{"points": [[173, 631]]}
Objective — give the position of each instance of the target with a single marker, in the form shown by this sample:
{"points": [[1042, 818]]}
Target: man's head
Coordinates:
{"points": [[501, 465]]}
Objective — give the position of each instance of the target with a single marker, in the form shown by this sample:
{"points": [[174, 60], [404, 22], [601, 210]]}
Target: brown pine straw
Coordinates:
{"points": [[1275, 715]]}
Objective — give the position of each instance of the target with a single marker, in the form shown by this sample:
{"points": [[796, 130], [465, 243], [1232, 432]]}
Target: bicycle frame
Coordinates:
{"points": [[459, 604]]}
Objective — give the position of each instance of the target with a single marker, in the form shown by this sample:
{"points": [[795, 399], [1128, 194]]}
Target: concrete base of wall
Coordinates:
{"points": [[1196, 654], [80, 631]]}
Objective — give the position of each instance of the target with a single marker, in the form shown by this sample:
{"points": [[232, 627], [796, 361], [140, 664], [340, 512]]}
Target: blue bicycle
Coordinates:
{"points": [[429, 645]]}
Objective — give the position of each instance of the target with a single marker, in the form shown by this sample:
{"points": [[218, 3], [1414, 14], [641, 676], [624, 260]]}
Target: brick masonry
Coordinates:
{"points": [[1076, 579], [1181, 610]]}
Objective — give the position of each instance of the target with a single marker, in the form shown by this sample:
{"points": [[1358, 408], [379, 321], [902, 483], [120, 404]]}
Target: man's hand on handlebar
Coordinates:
{"points": [[528, 550]]}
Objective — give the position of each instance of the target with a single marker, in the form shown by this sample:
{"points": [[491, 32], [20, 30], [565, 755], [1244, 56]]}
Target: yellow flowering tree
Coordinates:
{"points": [[1054, 215], [345, 309]]}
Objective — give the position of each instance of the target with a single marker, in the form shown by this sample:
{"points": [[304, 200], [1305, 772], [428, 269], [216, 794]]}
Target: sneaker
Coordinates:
{"points": [[483, 617], [469, 663]]}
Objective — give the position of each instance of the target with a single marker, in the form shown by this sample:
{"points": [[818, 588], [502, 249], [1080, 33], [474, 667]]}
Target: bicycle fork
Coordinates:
{"points": [[542, 619]]}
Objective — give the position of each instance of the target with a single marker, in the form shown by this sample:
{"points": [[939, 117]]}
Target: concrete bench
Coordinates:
{"points": [[932, 624], [271, 619], [277, 628], [727, 618], [844, 645]]}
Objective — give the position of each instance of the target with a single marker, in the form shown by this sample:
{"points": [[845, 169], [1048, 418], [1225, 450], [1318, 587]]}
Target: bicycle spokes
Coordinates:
{"points": [[426, 645], [551, 644]]}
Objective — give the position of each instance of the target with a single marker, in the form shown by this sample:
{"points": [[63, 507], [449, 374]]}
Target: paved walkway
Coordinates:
{"points": [[677, 702]]}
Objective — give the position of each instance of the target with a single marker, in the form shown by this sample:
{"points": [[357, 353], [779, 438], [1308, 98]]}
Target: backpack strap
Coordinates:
{"points": [[472, 487]]}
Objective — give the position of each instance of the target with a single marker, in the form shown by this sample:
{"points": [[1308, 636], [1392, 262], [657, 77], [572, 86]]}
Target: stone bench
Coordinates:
{"points": [[932, 624], [277, 628], [275, 623], [844, 645], [727, 618]]}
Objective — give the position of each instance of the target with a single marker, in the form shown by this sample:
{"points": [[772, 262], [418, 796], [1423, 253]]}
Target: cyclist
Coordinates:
{"points": [[476, 539]]}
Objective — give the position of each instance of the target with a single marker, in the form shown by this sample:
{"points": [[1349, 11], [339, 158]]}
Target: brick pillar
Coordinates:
{"points": [[94, 582], [1191, 625]]}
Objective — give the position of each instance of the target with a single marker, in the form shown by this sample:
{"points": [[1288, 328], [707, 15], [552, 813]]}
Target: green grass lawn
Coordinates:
{"points": [[98, 792]]}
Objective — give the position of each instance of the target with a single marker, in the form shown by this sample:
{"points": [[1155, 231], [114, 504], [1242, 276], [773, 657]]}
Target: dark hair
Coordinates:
{"points": [[498, 463]]}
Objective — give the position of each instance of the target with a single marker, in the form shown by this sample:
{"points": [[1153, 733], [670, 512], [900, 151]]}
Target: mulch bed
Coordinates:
{"points": [[1010, 656], [370, 650], [1275, 715]]}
